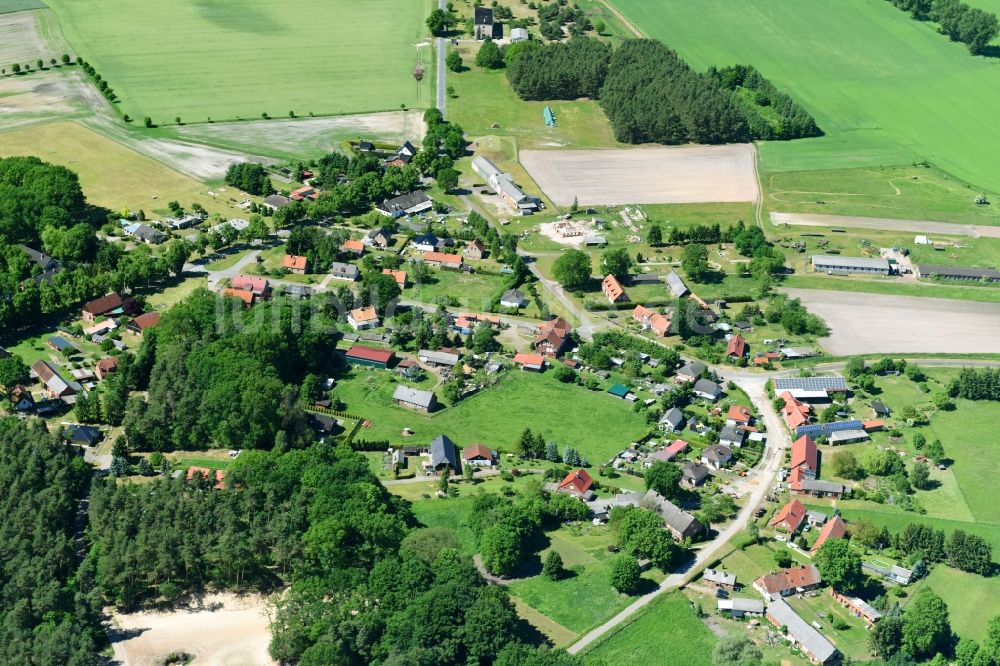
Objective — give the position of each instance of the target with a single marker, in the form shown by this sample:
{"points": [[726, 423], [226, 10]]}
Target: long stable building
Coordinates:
{"points": [[826, 263]]}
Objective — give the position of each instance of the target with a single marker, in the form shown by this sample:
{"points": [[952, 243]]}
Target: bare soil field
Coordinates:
{"points": [[23, 41], [307, 137], [224, 630], [36, 97], [685, 174], [890, 324], [885, 224]]}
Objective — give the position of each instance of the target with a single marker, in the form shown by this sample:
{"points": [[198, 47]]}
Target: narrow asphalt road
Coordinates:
{"points": [[765, 475], [441, 49], [585, 329]]}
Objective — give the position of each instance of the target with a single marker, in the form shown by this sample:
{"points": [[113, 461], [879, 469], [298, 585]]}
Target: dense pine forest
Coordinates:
{"points": [[46, 614], [651, 95]]}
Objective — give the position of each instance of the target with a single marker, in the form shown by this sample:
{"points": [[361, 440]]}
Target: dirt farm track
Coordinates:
{"points": [[682, 174], [875, 323]]}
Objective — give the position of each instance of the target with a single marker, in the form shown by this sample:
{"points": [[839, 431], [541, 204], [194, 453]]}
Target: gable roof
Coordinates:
{"points": [[104, 304], [676, 284], [245, 296], [806, 575], [613, 289], [474, 451], [484, 16], [364, 314], [443, 258], [738, 413], [578, 478], [619, 390], [708, 386], [529, 359], [341, 269], [833, 529], [717, 453], [695, 471], [398, 276], [414, 396], [144, 321], [370, 354], [83, 434], [810, 384], [791, 515], [294, 262], [257, 285], [673, 416], [737, 346], [732, 434], [353, 245], [813, 642], [692, 369], [804, 453], [443, 452], [676, 518], [404, 202]]}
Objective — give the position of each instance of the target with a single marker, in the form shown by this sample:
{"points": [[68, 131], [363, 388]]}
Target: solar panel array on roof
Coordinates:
{"points": [[817, 429], [810, 384]]}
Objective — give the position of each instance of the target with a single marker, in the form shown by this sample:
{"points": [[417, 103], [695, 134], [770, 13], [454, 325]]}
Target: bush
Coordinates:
{"points": [[625, 574]]}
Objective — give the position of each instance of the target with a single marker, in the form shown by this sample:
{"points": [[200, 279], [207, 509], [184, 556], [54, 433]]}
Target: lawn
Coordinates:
{"points": [[471, 291], [595, 423], [236, 60], [972, 600], [666, 632], [485, 104], [857, 77], [902, 192], [111, 175]]}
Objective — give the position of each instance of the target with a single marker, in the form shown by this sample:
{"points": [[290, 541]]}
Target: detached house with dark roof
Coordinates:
{"points": [[484, 25], [552, 336], [413, 203], [444, 455]]}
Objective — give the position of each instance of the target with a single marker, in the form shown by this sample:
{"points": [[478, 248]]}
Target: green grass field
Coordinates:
{"points": [[886, 89], [972, 600], [666, 632], [592, 421], [236, 60]]}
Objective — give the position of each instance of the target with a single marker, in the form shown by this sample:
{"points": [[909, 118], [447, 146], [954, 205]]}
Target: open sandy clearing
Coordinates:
{"points": [[224, 631], [885, 224], [308, 136], [888, 324], [685, 174]]}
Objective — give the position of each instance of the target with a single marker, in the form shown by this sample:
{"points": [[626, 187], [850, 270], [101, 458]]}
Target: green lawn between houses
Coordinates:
{"points": [[857, 78], [665, 632], [595, 423], [163, 58]]}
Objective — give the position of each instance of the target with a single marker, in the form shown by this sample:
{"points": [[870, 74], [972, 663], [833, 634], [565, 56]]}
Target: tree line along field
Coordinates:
{"points": [[886, 89], [237, 60]]}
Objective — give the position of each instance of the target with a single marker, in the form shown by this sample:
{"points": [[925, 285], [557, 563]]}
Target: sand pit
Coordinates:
{"points": [[224, 631], [685, 174], [876, 323]]}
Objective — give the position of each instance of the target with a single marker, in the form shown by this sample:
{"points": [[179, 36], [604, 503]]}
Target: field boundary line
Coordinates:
{"points": [[621, 17]]}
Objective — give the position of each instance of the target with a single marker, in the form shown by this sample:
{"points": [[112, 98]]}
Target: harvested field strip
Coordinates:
{"points": [[688, 174]]}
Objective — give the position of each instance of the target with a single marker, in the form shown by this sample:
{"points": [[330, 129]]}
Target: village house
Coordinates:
{"points": [[834, 529], [370, 357], [258, 286], [353, 246], [426, 243], [732, 437], [106, 367], [143, 322], [380, 238], [675, 284], [363, 318], [106, 305], [737, 347], [552, 336], [788, 581], [83, 435], [694, 474], [443, 260], [817, 488], [532, 362], [144, 233], [691, 372], [296, 264], [715, 579], [651, 320], [577, 483], [667, 453], [795, 412], [403, 155], [805, 457], [672, 420], [342, 271], [303, 193], [415, 399], [707, 389], [276, 201], [399, 276], [479, 455], [444, 455], [813, 644], [484, 25], [413, 203], [789, 518], [512, 298], [811, 388], [21, 399], [613, 290], [682, 525], [206, 473], [55, 385], [716, 456], [474, 249], [738, 415]]}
